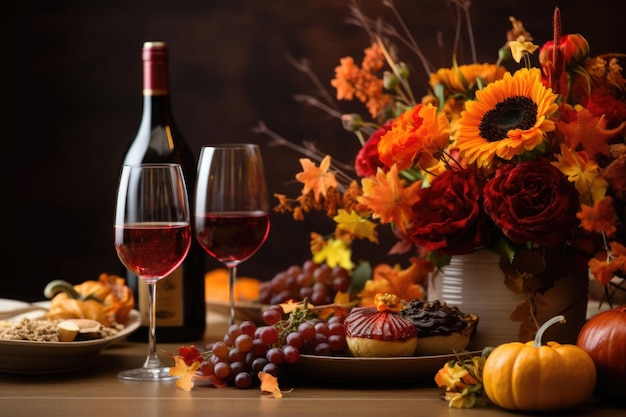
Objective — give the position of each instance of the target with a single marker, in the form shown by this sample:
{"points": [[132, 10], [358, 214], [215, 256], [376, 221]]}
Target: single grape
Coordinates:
{"points": [[221, 370], [323, 349], [272, 316], [271, 369], [275, 355], [308, 267], [258, 364], [318, 339], [235, 355], [322, 328], [305, 280], [336, 328], [268, 334], [294, 271], [340, 284], [258, 347], [243, 380], [233, 331], [295, 339], [220, 349], [305, 292], [319, 298], [307, 330], [237, 367], [206, 367], [291, 354], [337, 342], [243, 342], [322, 274], [248, 327]]}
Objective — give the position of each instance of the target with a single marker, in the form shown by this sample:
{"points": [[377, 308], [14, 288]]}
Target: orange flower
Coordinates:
{"points": [[316, 179], [588, 131], [404, 283], [606, 266], [388, 198], [599, 218], [351, 81], [416, 136]]}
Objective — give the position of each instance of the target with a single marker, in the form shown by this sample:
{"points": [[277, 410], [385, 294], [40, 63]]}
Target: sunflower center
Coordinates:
{"points": [[516, 112]]}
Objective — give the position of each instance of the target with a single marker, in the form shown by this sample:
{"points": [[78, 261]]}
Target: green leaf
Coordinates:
{"points": [[360, 275]]}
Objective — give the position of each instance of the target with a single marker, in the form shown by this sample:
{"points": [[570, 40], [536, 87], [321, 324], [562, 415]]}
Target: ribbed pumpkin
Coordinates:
{"points": [[603, 337], [535, 377]]}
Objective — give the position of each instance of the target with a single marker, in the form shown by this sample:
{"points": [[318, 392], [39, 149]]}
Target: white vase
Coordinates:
{"points": [[475, 283]]}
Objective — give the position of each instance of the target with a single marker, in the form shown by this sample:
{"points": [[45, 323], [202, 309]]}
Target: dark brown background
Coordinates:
{"points": [[71, 100]]}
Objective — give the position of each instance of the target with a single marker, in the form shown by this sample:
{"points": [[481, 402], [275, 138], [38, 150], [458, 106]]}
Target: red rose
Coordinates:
{"points": [[449, 218], [367, 160], [532, 201]]}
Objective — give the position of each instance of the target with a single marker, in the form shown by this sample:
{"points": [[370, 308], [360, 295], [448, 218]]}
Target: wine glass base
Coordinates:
{"points": [[147, 374]]}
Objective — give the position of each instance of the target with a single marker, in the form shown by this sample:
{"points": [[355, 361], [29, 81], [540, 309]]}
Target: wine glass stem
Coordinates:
{"points": [[232, 277], [152, 361]]}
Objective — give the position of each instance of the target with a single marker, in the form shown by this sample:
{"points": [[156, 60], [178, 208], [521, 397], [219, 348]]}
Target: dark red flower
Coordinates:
{"points": [[367, 160], [532, 201], [449, 216]]}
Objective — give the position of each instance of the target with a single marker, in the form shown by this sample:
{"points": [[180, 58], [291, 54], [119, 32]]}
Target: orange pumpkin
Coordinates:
{"points": [[216, 287], [603, 337], [535, 377]]}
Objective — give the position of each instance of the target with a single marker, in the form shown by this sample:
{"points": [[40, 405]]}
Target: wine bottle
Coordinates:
{"points": [[180, 310]]}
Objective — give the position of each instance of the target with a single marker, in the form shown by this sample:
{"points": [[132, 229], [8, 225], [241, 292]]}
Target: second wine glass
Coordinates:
{"points": [[232, 206], [152, 237]]}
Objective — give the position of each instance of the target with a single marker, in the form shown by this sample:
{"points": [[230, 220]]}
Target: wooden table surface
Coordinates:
{"points": [[96, 391]]}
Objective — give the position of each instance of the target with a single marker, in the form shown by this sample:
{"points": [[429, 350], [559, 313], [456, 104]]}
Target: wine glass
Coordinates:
{"points": [[231, 207], [152, 238]]}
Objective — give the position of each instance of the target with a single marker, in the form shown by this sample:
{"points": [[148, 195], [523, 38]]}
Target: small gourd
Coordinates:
{"points": [[535, 377]]}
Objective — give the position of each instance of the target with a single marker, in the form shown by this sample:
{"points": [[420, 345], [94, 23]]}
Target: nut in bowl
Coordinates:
{"points": [[69, 331]]}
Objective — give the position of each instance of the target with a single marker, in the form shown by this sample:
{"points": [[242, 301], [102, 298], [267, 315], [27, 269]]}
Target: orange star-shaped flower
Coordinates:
{"points": [[389, 199], [316, 179], [589, 131]]}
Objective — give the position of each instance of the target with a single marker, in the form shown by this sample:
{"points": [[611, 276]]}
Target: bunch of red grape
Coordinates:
{"points": [[248, 349], [319, 283]]}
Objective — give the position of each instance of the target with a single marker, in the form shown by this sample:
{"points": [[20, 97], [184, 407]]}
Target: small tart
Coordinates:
{"points": [[441, 328], [374, 333]]}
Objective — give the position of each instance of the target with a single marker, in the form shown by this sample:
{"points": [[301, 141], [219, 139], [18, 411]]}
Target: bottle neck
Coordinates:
{"points": [[155, 69]]}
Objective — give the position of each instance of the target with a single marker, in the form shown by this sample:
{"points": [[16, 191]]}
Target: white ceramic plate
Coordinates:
{"points": [[347, 369], [28, 357]]}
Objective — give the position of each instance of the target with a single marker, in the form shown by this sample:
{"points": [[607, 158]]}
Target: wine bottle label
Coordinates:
{"points": [[169, 300]]}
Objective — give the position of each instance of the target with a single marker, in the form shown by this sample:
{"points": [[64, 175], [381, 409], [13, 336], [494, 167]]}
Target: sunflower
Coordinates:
{"points": [[508, 117]]}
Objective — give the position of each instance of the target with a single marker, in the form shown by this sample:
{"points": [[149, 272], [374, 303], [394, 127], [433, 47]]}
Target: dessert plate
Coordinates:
{"points": [[28, 357], [348, 369]]}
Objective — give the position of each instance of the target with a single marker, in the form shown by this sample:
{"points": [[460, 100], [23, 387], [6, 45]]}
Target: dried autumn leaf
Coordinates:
{"points": [[316, 179], [184, 372], [269, 385]]}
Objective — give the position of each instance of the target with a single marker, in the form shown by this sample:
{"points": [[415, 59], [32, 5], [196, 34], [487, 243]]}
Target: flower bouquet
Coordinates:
{"points": [[526, 160]]}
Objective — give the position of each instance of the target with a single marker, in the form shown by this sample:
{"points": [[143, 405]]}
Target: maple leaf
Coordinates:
{"points": [[335, 252], [357, 225], [404, 283], [316, 179], [386, 196], [269, 385], [589, 131], [184, 372]]}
